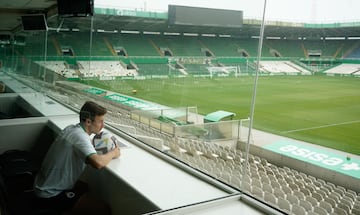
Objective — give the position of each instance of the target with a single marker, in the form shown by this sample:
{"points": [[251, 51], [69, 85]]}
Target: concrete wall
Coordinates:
{"points": [[30, 134], [122, 198]]}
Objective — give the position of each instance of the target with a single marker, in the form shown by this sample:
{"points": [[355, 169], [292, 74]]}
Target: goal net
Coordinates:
{"points": [[222, 70]]}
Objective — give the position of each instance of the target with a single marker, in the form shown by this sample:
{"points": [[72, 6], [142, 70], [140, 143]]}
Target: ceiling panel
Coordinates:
{"points": [[12, 10]]}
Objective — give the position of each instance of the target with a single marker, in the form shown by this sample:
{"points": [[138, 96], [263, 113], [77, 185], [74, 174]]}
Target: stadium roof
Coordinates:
{"points": [[117, 20]]}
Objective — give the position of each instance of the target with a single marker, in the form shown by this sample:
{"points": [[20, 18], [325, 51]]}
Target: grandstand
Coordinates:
{"points": [[345, 69], [189, 56], [133, 48], [235, 168], [282, 67]]}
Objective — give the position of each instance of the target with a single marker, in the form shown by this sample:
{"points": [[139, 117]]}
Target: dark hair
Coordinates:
{"points": [[91, 109]]}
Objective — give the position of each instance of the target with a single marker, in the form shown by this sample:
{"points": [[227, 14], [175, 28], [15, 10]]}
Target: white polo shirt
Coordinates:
{"points": [[64, 162]]}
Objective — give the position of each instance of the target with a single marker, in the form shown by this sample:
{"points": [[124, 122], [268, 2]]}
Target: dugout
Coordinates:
{"points": [[219, 115]]}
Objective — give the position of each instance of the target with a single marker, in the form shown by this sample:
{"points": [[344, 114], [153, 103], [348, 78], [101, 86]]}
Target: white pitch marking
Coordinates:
{"points": [[322, 126]]}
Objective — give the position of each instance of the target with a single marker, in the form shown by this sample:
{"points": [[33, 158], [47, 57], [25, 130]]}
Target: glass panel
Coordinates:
{"points": [[159, 86]]}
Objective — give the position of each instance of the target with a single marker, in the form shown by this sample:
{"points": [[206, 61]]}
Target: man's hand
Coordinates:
{"points": [[116, 151], [100, 161]]}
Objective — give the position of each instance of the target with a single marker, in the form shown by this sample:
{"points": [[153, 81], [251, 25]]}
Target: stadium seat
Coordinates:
{"points": [[224, 155], [272, 178], [344, 206], [305, 191], [246, 187], [335, 197], [237, 173], [279, 193], [357, 204], [341, 188], [355, 211], [322, 182], [209, 153], [331, 185], [208, 167], [247, 178], [350, 196], [270, 198], [264, 162], [279, 176], [331, 201], [327, 206], [292, 199], [307, 180], [298, 210], [312, 200], [228, 169], [328, 187], [318, 184], [312, 178], [348, 199], [322, 192], [338, 210], [287, 190], [305, 204], [311, 187], [289, 179], [255, 175], [267, 188], [326, 191], [340, 191], [300, 178], [347, 202], [274, 168], [299, 194], [294, 186], [226, 177], [300, 182], [256, 183], [264, 178], [319, 210], [286, 169], [284, 204], [282, 182], [317, 196], [235, 181], [257, 192], [261, 168]]}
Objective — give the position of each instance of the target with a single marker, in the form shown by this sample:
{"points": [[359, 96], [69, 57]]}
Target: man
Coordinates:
{"points": [[56, 184]]}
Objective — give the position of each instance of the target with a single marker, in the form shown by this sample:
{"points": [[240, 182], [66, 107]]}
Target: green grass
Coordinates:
{"points": [[318, 109]]}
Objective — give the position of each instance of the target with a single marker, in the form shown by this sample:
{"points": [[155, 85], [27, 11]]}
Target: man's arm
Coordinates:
{"points": [[99, 161]]}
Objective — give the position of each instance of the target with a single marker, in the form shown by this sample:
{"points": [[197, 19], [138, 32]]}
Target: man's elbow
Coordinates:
{"points": [[98, 165], [96, 162]]}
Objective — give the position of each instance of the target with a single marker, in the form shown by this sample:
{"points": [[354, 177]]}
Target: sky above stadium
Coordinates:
{"points": [[310, 11]]}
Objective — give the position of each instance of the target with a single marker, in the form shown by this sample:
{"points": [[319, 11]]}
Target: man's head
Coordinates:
{"points": [[92, 117]]}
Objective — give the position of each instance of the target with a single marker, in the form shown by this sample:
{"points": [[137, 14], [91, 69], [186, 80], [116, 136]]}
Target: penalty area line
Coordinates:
{"points": [[321, 126]]}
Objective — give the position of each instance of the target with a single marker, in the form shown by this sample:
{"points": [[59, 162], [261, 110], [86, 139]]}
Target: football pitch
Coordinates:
{"points": [[318, 109]]}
